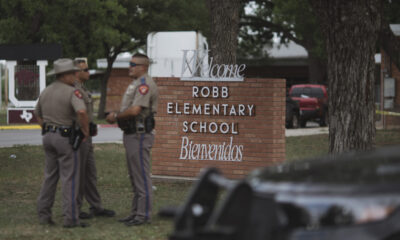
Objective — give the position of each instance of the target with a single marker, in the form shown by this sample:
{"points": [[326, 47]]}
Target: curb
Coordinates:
{"points": [[19, 127], [35, 126]]}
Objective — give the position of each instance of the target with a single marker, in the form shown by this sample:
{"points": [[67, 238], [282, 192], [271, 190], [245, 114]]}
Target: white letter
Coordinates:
{"points": [[196, 148], [212, 71], [215, 109], [241, 110], [228, 150], [195, 91], [196, 110], [221, 152], [169, 108], [213, 124], [207, 109], [224, 106], [233, 111], [219, 75], [204, 152], [237, 152], [191, 127], [186, 108], [215, 92], [176, 108], [240, 69], [234, 131], [202, 92], [186, 63], [185, 141], [221, 128], [232, 71], [185, 127], [240, 153], [250, 107], [224, 92], [203, 127], [211, 149]]}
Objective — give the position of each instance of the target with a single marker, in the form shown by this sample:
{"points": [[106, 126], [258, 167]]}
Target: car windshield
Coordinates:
{"points": [[308, 91]]}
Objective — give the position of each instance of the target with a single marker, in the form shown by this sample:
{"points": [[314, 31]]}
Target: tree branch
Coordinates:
{"points": [[286, 33]]}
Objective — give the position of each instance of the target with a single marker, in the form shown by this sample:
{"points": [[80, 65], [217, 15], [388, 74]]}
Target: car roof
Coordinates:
{"points": [[308, 85]]}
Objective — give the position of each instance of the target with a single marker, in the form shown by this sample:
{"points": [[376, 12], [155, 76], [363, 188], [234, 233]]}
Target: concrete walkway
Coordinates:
{"points": [[31, 135], [306, 131]]}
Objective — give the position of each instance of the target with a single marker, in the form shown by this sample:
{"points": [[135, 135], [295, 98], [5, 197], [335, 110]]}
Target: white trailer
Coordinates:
{"points": [[165, 49]]}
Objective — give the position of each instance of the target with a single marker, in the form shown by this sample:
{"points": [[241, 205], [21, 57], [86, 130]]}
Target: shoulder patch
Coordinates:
{"points": [[143, 89], [78, 94]]}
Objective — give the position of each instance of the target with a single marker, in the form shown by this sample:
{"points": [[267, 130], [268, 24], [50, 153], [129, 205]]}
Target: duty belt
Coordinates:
{"points": [[132, 126], [65, 131]]}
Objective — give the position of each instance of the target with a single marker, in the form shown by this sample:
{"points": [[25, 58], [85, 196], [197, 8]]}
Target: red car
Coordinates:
{"points": [[313, 102]]}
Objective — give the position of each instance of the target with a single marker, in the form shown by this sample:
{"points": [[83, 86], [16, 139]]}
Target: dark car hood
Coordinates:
{"points": [[381, 166], [344, 185]]}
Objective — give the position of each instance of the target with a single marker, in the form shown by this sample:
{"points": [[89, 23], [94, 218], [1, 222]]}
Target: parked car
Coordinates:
{"points": [[292, 113], [353, 196], [313, 102]]}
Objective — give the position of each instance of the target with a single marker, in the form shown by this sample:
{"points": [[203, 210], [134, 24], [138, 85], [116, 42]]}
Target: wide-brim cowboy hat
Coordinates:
{"points": [[63, 65]]}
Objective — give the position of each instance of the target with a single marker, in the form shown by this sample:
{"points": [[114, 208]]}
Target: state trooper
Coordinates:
{"points": [[88, 176], [136, 119], [59, 110]]}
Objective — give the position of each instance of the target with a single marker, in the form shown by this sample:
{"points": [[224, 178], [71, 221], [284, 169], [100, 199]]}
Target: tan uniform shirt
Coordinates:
{"points": [[58, 104], [142, 92], [87, 98]]}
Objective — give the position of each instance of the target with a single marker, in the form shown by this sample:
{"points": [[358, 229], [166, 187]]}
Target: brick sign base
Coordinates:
{"points": [[249, 126], [21, 116]]}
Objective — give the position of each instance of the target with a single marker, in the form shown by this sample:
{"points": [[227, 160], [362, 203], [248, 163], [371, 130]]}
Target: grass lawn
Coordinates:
{"points": [[21, 177], [317, 145], [20, 181], [3, 117]]}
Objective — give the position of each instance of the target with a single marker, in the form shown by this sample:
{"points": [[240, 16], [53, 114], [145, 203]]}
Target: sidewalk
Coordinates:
{"points": [[288, 132], [31, 135], [36, 126]]}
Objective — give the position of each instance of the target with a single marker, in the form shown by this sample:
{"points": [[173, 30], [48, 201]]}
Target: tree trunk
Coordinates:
{"points": [[316, 70], [224, 16], [351, 31], [103, 87]]}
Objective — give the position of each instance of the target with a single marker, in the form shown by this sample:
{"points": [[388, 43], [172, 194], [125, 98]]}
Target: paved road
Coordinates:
{"points": [[9, 138]]}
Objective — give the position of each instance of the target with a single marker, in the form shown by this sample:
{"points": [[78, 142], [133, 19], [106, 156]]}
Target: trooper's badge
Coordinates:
{"points": [[78, 94], [143, 89]]}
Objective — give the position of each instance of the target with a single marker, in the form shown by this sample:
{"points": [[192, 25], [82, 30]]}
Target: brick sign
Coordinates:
{"points": [[21, 115], [236, 126]]}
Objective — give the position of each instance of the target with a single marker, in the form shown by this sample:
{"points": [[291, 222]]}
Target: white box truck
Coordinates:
{"points": [[166, 50]]}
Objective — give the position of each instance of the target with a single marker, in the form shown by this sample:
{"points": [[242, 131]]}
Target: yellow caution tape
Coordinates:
{"points": [[15, 127], [387, 113]]}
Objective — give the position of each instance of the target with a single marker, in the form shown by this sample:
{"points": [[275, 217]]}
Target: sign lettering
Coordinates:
{"points": [[195, 65]]}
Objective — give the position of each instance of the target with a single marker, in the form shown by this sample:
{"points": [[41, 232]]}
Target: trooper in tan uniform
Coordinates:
{"points": [[136, 119], [59, 106], [88, 176]]}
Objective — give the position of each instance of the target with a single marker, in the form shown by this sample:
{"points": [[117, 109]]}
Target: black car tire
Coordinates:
{"points": [[303, 123], [292, 120], [295, 121], [323, 122]]}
